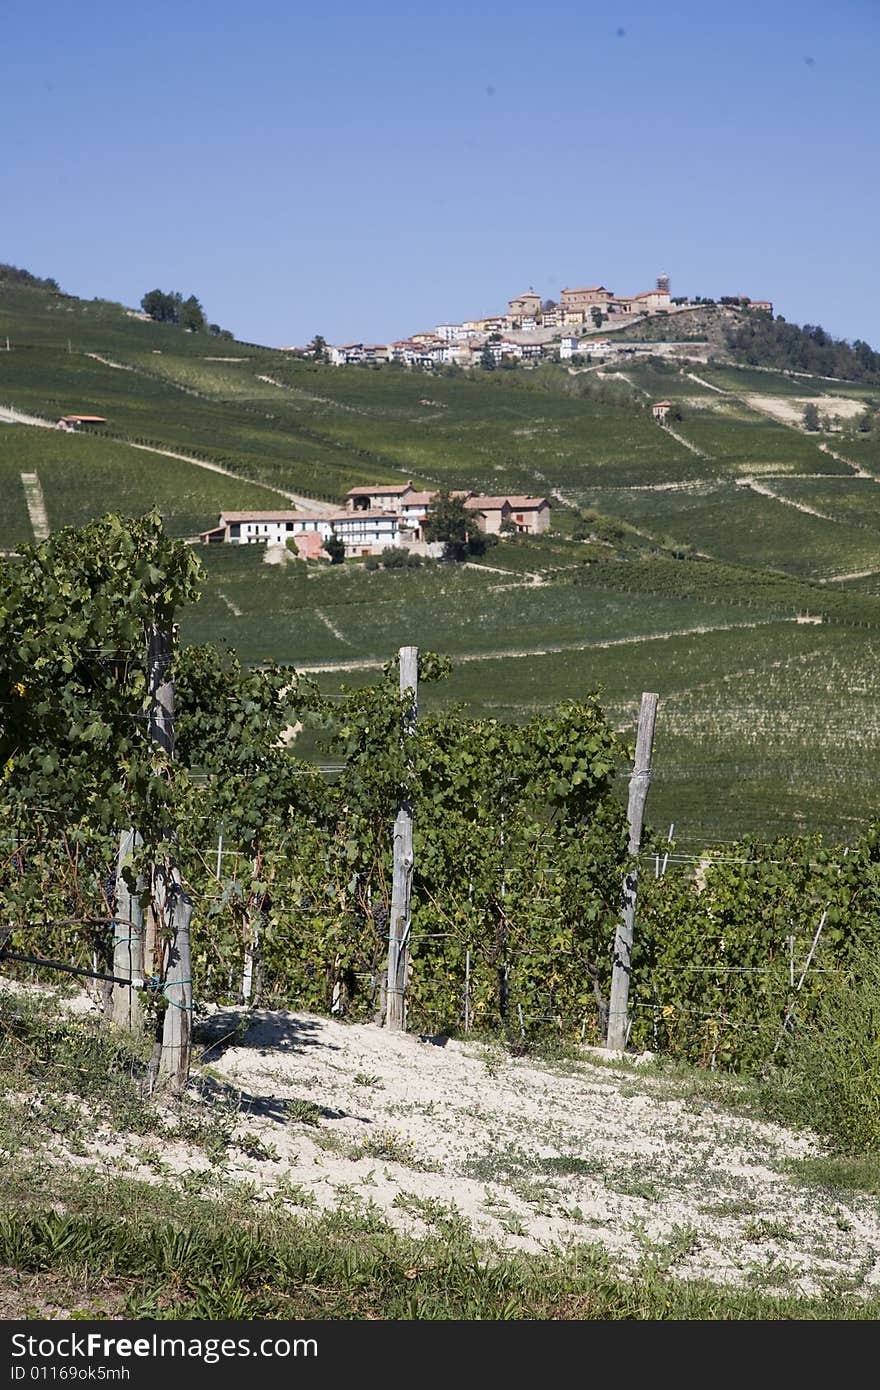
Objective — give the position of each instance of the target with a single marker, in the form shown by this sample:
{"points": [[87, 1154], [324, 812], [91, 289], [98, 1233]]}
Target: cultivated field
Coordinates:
{"points": [[765, 723]]}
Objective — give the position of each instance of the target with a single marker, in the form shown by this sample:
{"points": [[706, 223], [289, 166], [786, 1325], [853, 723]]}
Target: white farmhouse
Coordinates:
{"points": [[363, 532]]}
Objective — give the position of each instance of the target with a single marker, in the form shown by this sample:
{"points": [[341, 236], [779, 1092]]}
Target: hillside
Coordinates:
{"points": [[756, 339], [324, 1169], [684, 560]]}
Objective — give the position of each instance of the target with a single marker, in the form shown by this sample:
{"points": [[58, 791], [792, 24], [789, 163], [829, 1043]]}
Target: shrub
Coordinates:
{"points": [[830, 1079], [394, 558]]}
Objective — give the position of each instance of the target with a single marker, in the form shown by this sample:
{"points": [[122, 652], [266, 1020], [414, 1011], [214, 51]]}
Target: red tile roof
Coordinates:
{"points": [[379, 490], [227, 517]]}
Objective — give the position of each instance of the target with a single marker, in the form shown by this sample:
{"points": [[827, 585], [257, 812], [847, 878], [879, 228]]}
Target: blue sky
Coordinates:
{"points": [[366, 170]]}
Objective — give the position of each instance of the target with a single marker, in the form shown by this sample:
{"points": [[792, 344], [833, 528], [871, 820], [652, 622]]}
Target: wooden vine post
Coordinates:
{"points": [[126, 1012], [401, 887], [618, 1012], [171, 904]]}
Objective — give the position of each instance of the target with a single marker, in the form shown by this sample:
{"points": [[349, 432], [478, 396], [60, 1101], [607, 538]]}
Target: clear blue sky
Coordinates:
{"points": [[365, 170]]}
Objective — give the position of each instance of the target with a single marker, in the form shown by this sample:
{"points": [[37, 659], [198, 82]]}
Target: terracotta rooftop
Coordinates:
{"points": [[526, 504], [227, 517], [379, 490], [483, 504]]}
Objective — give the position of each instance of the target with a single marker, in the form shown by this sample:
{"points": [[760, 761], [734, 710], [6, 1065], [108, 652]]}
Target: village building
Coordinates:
{"points": [[377, 496], [530, 515], [71, 422], [660, 410], [524, 306], [363, 532], [583, 301]]}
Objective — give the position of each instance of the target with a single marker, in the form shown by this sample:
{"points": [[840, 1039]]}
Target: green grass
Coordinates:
{"points": [[323, 429], [753, 381], [739, 525], [348, 613], [83, 477], [738, 441]]}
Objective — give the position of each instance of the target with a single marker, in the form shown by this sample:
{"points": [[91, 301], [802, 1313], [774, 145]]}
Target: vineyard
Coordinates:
{"points": [[285, 867]]}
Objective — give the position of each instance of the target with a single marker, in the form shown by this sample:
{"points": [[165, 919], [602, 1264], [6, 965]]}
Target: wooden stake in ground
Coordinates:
{"points": [[401, 887], [171, 904], [618, 1016], [126, 1012]]}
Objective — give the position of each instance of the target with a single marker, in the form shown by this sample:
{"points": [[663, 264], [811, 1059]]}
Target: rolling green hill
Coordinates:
{"points": [[767, 722]]}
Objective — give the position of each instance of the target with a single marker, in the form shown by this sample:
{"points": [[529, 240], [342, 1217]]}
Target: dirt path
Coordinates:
{"points": [[529, 1155], [331, 626], [18, 417], [853, 574], [309, 504], [857, 468], [515, 653], [685, 442], [36, 505], [108, 362], [299, 500], [701, 381], [766, 491]]}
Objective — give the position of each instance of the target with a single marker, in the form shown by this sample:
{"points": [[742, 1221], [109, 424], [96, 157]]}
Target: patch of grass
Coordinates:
{"points": [[194, 1259], [392, 1146], [754, 1232], [443, 1217], [303, 1112], [570, 1166], [363, 1078], [844, 1173]]}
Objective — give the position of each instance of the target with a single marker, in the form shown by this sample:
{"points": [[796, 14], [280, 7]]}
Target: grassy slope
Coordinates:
{"points": [[320, 429], [78, 473]]}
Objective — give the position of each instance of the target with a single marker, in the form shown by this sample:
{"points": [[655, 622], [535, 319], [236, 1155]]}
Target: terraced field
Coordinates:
{"points": [[766, 723], [79, 474]]}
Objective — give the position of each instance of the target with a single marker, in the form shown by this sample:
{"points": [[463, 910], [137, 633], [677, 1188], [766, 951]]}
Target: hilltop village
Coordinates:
{"points": [[532, 328]]}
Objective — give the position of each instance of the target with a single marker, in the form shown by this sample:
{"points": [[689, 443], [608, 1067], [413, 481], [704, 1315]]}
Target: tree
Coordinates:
{"points": [[318, 348], [335, 547], [596, 316], [164, 308], [192, 315], [811, 416], [487, 358], [449, 521], [548, 306]]}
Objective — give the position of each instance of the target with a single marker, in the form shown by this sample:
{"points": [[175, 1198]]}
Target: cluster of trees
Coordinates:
{"points": [[14, 275], [171, 307], [767, 342]]}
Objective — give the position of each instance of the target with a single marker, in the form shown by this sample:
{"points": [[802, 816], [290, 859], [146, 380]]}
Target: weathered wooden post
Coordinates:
{"points": [[171, 904], [618, 1016], [126, 1012], [401, 887]]}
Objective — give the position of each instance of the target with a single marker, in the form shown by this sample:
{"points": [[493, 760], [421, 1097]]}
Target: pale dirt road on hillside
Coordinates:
{"points": [[525, 1155]]}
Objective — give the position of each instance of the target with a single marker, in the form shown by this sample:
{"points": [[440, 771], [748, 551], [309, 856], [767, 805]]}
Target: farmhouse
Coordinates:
{"points": [[660, 410], [70, 422], [363, 532], [530, 515], [376, 496]]}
